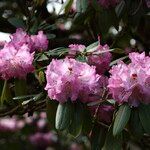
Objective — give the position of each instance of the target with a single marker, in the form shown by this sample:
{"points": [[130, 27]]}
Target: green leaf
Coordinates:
{"points": [[43, 57], [20, 87], [1, 86], [135, 10], [87, 121], [92, 46], [111, 142], [77, 120], [135, 125], [24, 97], [50, 36], [67, 5], [5, 94], [57, 52], [63, 116], [82, 5], [118, 51], [98, 137], [144, 114], [120, 9], [41, 77], [34, 27], [122, 118], [51, 107], [106, 19], [34, 97], [18, 23], [123, 40], [115, 61], [81, 58]]}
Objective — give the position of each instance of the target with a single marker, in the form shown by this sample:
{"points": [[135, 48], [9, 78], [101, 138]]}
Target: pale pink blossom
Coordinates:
{"points": [[101, 58], [15, 63], [10, 124], [43, 140], [34, 42], [71, 79], [147, 3], [131, 83], [76, 49], [40, 41], [19, 38]]}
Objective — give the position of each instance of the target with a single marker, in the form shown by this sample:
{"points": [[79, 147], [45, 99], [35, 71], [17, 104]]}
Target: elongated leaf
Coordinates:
{"points": [[50, 36], [5, 94], [98, 137], [118, 51], [63, 116], [92, 46], [135, 125], [81, 58], [67, 5], [24, 97], [57, 52], [1, 86], [111, 142], [81, 5], [115, 61], [106, 19], [18, 23], [43, 57], [77, 120], [87, 121], [144, 114], [41, 77], [121, 119], [120, 9], [51, 107]]}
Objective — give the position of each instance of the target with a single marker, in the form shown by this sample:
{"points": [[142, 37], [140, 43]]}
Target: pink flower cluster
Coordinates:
{"points": [[108, 3], [101, 58], [40, 41], [43, 140], [131, 83], [76, 48], [17, 56], [15, 63], [10, 125], [70, 79], [34, 42]]}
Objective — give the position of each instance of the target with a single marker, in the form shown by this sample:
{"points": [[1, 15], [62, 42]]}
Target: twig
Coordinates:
{"points": [[104, 97]]}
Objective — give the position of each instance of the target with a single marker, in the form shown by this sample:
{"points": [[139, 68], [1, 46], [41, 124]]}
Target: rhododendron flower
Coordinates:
{"points": [[10, 125], [40, 41], [108, 3], [34, 42], [70, 79], [43, 140], [131, 83], [15, 63], [101, 58], [20, 38], [104, 114], [76, 48], [147, 3]]}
